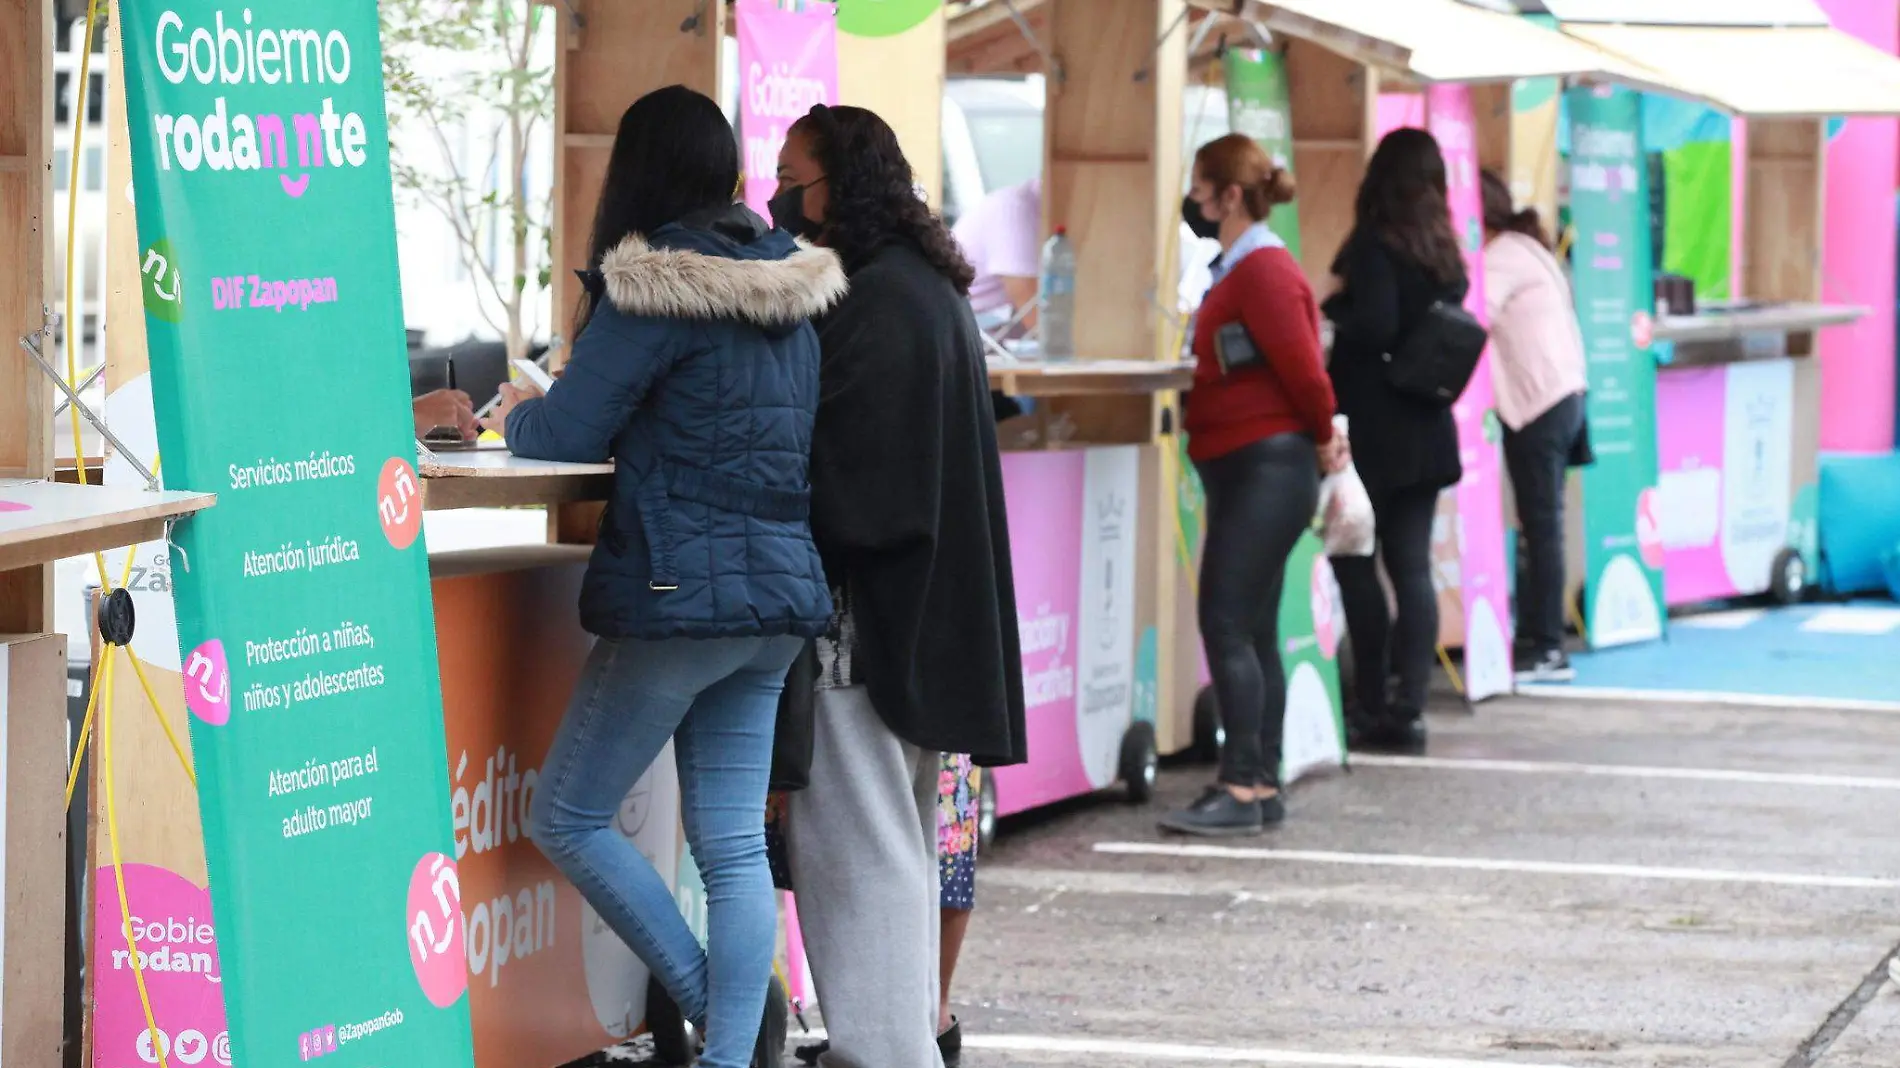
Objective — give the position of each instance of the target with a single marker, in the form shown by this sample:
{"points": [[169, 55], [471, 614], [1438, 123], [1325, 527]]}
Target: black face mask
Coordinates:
{"points": [[788, 212], [1191, 214]]}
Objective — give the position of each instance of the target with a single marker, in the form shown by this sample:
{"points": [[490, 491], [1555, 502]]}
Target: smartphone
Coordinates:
{"points": [[532, 371]]}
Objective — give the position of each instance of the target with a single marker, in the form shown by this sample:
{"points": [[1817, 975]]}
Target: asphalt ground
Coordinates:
{"points": [[1560, 883]]}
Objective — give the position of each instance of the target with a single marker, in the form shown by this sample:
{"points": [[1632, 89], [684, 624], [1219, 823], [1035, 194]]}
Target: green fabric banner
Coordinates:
{"points": [[260, 161], [1612, 276], [1697, 214], [1257, 105]]}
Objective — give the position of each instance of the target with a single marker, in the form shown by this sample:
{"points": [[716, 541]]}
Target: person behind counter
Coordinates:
{"points": [[1259, 432], [1540, 382], [696, 370], [1400, 257], [444, 408], [907, 509]]}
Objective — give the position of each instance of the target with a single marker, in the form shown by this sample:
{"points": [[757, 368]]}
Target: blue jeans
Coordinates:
{"points": [[717, 699]]}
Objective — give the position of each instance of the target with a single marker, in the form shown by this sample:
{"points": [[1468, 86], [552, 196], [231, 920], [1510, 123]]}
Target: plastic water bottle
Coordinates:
{"points": [[1055, 299]]}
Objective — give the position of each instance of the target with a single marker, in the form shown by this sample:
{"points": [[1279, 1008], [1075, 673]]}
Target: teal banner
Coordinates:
{"points": [[261, 171], [1258, 106], [1613, 279]]}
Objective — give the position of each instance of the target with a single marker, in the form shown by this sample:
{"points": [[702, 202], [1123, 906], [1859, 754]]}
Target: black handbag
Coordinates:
{"points": [[797, 716], [1435, 362]]}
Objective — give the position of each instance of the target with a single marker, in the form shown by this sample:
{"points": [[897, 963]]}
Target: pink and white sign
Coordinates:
{"points": [[176, 948], [1044, 492], [1724, 503], [1480, 494], [788, 61]]}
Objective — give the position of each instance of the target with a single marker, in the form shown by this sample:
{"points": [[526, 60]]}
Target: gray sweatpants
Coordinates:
{"points": [[862, 840]]}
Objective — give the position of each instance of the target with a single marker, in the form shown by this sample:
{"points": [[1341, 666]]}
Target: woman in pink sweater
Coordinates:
{"points": [[1539, 373]]}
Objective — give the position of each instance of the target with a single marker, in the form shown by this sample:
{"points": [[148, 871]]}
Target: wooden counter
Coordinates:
{"points": [[1076, 378], [1717, 323], [495, 477], [42, 520]]}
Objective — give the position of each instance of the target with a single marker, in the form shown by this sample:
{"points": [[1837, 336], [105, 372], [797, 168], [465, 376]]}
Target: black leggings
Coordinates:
{"points": [[1260, 498], [1380, 646]]}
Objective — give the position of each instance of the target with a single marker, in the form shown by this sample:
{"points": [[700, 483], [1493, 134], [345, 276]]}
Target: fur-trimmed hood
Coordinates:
{"points": [[729, 267]]}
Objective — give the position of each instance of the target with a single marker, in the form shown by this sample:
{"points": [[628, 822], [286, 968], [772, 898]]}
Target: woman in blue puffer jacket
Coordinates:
{"points": [[697, 372]]}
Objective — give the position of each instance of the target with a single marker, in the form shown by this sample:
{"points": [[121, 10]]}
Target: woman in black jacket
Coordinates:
{"points": [[907, 511], [1401, 256]]}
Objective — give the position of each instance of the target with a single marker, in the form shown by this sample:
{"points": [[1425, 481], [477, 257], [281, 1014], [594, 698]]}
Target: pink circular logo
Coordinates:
{"points": [[1642, 329], [436, 948], [399, 502], [1649, 541], [208, 683], [1325, 598], [177, 951], [14, 506]]}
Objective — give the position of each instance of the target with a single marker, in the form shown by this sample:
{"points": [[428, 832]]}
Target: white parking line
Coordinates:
{"points": [[1628, 771], [1708, 697], [1534, 867], [1172, 1051]]}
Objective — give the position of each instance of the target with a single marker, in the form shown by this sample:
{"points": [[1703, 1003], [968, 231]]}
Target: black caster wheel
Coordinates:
{"points": [[674, 1043], [1141, 762], [1209, 735], [985, 810], [1788, 577]]}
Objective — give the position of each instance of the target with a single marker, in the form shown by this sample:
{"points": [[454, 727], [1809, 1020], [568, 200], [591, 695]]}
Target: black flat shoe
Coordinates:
{"points": [[1218, 814], [1399, 738], [950, 1044]]}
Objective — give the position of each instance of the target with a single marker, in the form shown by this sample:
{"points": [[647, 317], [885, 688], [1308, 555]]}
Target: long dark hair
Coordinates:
{"points": [[873, 196], [674, 155], [1403, 202], [1501, 216]]}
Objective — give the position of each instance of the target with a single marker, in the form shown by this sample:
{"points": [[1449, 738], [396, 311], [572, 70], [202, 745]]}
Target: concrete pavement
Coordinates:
{"points": [[1561, 883]]}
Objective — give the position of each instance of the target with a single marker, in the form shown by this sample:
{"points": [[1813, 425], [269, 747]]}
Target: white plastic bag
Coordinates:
{"points": [[1345, 510]]}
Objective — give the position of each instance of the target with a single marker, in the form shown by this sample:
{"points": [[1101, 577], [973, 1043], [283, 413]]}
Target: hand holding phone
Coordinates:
{"points": [[532, 371]]}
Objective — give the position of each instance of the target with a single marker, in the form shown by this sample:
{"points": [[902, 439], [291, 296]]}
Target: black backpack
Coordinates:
{"points": [[1434, 363]]}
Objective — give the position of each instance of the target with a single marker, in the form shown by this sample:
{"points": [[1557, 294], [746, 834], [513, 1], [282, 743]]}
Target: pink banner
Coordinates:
{"points": [[1857, 265], [1044, 491], [1480, 533], [788, 61], [1398, 110], [1690, 406]]}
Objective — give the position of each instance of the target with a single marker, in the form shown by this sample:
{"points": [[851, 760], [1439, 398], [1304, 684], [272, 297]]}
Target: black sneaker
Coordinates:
{"points": [[1218, 814], [1552, 665]]}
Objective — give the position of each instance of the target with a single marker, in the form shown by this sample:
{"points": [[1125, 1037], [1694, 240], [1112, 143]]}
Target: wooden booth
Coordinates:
{"points": [[1739, 402]]}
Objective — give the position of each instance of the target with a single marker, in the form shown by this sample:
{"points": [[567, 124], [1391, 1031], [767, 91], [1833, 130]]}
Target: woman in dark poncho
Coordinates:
{"points": [[907, 511]]}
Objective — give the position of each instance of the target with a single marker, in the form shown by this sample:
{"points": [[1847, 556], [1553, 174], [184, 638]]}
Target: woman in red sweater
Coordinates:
{"points": [[1259, 432]]}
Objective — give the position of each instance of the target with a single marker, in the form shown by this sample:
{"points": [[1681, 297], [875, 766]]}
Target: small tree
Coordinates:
{"points": [[483, 69]]}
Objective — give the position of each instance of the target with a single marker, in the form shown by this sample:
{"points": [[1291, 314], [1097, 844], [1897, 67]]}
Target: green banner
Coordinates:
{"points": [[1609, 205], [266, 223], [1257, 105]]}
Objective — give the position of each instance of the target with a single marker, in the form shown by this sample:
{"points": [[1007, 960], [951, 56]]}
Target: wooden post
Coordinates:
{"points": [[1113, 164], [609, 53], [901, 78], [1335, 114], [33, 709], [26, 210], [1782, 209]]}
